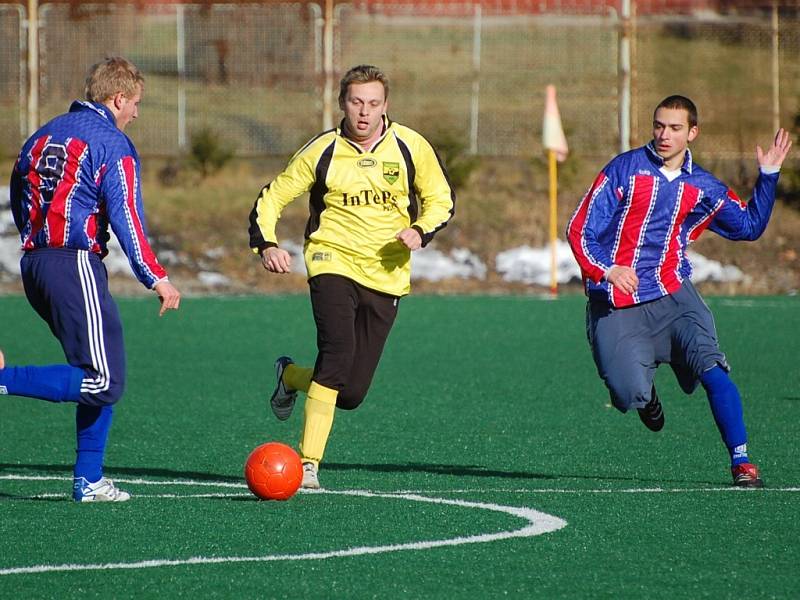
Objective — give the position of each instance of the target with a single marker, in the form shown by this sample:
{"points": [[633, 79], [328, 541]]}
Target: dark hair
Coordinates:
{"points": [[362, 74], [679, 102]]}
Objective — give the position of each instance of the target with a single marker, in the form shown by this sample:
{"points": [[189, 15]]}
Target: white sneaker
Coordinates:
{"points": [[283, 398], [103, 490], [310, 477]]}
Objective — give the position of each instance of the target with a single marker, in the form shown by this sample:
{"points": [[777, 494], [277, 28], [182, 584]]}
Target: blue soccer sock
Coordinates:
{"points": [[726, 406], [92, 425], [55, 383]]}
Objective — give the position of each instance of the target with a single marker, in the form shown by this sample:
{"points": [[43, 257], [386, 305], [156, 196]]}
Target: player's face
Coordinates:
{"points": [[364, 106], [128, 109], [672, 134]]}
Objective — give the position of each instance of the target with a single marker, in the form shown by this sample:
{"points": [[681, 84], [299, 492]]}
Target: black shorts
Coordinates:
{"points": [[353, 323]]}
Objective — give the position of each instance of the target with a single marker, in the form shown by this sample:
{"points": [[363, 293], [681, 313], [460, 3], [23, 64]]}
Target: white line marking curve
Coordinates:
{"points": [[538, 523]]}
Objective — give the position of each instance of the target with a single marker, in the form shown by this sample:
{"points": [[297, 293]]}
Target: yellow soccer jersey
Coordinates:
{"points": [[359, 201]]}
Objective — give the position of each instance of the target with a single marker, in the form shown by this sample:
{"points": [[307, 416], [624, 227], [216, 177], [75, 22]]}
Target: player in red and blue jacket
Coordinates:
{"points": [[634, 215], [75, 177], [629, 234]]}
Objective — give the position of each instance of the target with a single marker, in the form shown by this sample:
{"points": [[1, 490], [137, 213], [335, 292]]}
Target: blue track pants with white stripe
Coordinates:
{"points": [[69, 290]]}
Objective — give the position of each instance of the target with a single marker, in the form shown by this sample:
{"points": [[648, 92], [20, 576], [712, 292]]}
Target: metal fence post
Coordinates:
{"points": [[180, 25], [776, 73], [33, 66], [625, 77], [327, 62], [476, 80]]}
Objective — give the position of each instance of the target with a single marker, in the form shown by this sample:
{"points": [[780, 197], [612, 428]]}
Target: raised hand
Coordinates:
{"points": [[776, 153]]}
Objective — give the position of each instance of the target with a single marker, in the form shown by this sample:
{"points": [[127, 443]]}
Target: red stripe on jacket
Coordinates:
{"points": [[634, 222], [35, 214], [667, 273]]}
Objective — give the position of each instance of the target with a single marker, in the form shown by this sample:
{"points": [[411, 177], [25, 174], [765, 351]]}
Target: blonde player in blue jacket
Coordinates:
{"points": [[75, 177], [377, 192]]}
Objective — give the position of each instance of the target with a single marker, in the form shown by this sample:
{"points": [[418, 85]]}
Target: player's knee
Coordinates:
{"points": [[109, 396], [350, 399], [626, 395]]}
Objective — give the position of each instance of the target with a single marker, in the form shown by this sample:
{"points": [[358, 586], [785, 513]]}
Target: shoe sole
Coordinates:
{"points": [[749, 483], [281, 410]]}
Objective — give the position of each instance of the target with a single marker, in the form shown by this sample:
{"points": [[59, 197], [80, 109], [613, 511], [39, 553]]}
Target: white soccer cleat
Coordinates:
{"points": [[103, 490], [310, 476], [283, 398]]}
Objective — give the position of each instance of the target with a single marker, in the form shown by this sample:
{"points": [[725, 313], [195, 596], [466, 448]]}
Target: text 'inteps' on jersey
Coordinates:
{"points": [[367, 197]]}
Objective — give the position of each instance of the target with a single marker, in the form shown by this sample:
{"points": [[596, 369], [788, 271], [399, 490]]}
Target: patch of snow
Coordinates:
{"points": [[705, 269], [532, 265], [212, 279], [433, 265]]}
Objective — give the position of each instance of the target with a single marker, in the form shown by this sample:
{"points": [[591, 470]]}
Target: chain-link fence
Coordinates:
{"points": [[12, 78], [254, 72]]}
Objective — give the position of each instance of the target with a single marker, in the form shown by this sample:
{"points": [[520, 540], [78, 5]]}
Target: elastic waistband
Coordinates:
{"points": [[60, 252]]}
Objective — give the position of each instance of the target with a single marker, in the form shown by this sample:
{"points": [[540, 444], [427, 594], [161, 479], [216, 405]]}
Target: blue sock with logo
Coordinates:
{"points": [[726, 406], [55, 383], [92, 425]]}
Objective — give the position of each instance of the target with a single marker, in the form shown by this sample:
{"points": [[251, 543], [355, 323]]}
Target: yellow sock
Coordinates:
{"points": [[317, 422], [297, 378]]}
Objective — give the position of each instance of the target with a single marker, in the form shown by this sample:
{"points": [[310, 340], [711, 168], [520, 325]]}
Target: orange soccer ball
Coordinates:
{"points": [[273, 471]]}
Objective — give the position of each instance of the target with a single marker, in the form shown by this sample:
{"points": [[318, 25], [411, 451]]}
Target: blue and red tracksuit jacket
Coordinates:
{"points": [[635, 217], [73, 178]]}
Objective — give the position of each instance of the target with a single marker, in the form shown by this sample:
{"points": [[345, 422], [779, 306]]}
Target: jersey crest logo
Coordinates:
{"points": [[391, 171], [366, 163]]}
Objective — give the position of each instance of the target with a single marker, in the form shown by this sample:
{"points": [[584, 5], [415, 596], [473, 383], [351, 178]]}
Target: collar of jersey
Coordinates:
{"points": [[387, 123], [101, 109], [654, 157]]}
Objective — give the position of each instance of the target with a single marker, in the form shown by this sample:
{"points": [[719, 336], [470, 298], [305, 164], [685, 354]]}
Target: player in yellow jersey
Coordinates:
{"points": [[378, 191]]}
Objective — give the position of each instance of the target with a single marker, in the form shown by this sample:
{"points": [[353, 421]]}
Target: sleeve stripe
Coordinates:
{"points": [[142, 253]]}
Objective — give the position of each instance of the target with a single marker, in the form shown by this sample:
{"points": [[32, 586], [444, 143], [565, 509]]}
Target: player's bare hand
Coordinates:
{"points": [[411, 238], [623, 278], [276, 260], [776, 153], [168, 296]]}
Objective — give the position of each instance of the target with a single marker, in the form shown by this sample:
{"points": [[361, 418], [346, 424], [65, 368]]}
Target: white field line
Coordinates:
{"points": [[538, 523], [190, 482], [225, 484]]}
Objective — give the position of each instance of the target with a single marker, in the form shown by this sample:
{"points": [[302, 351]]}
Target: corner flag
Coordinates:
{"points": [[555, 142], [553, 137]]}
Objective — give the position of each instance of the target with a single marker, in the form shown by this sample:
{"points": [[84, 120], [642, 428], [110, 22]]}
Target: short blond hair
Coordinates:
{"points": [[111, 76], [362, 74]]}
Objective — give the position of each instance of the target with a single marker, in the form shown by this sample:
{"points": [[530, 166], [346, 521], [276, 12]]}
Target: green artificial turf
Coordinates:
{"points": [[493, 402]]}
